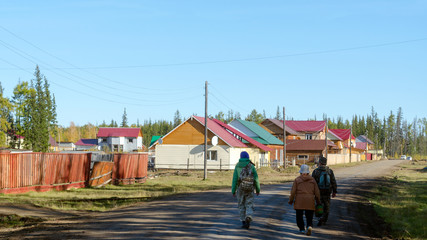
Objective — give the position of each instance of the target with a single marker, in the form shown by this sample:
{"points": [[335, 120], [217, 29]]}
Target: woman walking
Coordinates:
{"points": [[304, 193]]}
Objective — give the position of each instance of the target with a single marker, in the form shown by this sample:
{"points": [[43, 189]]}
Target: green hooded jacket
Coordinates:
{"points": [[239, 166]]}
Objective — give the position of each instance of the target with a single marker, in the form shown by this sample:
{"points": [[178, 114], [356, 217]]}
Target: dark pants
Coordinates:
{"points": [[308, 217], [326, 201]]}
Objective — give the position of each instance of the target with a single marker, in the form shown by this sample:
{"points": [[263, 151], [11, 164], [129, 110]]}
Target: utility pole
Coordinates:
{"points": [[366, 136], [351, 133], [205, 176], [284, 140], [326, 137]]}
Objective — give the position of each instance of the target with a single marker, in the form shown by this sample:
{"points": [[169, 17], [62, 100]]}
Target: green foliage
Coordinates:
{"points": [[177, 119], [124, 119], [12, 221], [6, 108], [157, 128], [39, 118], [402, 201], [254, 116]]}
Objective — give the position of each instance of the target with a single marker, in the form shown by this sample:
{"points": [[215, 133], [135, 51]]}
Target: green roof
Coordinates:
{"points": [[154, 139], [264, 137]]}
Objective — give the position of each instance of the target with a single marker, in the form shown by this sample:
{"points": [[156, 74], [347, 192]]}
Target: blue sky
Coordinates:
{"points": [[153, 57]]}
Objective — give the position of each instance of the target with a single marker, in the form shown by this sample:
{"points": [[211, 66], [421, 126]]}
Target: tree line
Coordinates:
{"points": [[31, 113]]}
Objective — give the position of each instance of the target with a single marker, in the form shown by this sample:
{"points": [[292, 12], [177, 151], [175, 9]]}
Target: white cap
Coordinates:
{"points": [[304, 169]]}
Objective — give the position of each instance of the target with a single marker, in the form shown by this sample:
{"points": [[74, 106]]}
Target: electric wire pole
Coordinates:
{"points": [[326, 137], [205, 175], [351, 133], [284, 140]]}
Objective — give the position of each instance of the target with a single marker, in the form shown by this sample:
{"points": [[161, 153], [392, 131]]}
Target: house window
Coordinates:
{"points": [[303, 157], [131, 140], [115, 148], [308, 136], [212, 156], [104, 140]]}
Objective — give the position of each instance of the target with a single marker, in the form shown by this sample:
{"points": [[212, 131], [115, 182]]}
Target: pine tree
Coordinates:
{"points": [[278, 115], [177, 119], [124, 119], [39, 114], [254, 116], [230, 116], [220, 116]]}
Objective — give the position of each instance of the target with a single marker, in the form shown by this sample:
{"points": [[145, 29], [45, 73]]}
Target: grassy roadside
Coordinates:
{"points": [[7, 221], [163, 183], [402, 201]]}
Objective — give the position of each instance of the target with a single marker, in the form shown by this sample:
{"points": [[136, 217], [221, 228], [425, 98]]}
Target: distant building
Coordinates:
{"points": [[53, 145], [66, 146], [120, 139], [86, 144]]}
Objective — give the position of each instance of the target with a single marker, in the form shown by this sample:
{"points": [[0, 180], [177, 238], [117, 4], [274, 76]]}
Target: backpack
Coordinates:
{"points": [[324, 180], [246, 179]]}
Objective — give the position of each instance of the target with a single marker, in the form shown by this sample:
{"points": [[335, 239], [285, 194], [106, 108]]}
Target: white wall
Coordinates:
{"points": [[191, 156], [334, 159]]}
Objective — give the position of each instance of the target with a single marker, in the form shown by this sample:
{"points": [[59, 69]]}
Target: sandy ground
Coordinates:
{"points": [[214, 215]]}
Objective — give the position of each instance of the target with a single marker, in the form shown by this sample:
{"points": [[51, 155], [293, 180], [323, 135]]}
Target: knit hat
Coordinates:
{"points": [[322, 160], [244, 154], [304, 169]]}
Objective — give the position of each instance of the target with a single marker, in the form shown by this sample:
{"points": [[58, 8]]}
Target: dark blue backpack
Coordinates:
{"points": [[324, 180]]}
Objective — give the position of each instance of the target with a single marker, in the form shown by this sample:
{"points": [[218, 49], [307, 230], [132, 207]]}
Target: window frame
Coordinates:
{"points": [[209, 155]]}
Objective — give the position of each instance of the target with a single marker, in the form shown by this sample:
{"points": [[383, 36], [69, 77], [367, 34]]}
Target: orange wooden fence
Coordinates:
{"points": [[130, 168], [22, 172], [101, 174]]}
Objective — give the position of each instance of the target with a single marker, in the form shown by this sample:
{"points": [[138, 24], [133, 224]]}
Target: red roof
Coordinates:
{"points": [[118, 132], [279, 124], [306, 126], [240, 134], [344, 134], [221, 132], [304, 145]]}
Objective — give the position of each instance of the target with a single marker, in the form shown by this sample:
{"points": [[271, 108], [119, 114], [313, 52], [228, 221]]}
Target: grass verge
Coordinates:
{"points": [[402, 201], [163, 183], [13, 220]]}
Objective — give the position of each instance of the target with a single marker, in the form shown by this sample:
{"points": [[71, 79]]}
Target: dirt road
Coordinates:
{"points": [[213, 215]]}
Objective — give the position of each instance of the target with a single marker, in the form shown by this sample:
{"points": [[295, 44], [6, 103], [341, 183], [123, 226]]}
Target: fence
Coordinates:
{"points": [[22, 172], [342, 158], [130, 168]]}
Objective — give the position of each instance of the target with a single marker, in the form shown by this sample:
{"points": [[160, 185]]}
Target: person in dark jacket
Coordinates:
{"points": [[325, 194], [304, 193], [245, 195]]}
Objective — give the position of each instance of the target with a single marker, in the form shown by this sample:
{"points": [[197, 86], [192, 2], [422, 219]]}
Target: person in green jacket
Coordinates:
{"points": [[245, 181]]}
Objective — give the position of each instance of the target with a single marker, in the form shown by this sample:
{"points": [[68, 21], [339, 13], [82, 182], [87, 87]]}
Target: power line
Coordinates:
{"points": [[30, 58], [175, 101], [84, 70], [254, 58]]}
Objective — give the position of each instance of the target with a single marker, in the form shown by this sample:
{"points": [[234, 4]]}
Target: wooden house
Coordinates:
{"points": [[120, 139], [183, 147], [346, 142], [260, 135]]}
